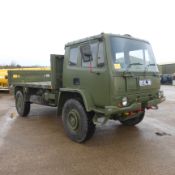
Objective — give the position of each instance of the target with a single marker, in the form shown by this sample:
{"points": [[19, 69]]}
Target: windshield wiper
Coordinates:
{"points": [[127, 73], [148, 65], [133, 64], [153, 64]]}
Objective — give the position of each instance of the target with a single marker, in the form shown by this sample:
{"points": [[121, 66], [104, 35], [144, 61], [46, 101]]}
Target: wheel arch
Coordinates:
{"points": [[24, 90], [80, 95], [18, 88]]}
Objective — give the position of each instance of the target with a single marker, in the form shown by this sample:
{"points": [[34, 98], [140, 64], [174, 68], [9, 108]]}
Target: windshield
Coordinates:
{"points": [[132, 55]]}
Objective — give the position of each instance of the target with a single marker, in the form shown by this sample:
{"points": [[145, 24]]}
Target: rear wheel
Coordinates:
{"points": [[22, 107], [134, 121], [77, 122]]}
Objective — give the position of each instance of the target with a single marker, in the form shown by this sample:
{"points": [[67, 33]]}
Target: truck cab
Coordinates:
{"points": [[117, 74]]}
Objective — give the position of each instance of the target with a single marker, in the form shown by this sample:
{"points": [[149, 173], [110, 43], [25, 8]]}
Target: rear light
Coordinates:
{"points": [[160, 94]]}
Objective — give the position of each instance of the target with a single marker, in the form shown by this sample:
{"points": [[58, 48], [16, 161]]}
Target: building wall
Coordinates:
{"points": [[160, 68], [167, 68]]}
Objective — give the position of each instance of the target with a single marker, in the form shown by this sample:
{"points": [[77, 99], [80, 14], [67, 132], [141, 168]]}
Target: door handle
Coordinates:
{"points": [[76, 81]]}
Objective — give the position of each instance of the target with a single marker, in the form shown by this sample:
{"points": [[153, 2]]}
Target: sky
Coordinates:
{"points": [[31, 30]]}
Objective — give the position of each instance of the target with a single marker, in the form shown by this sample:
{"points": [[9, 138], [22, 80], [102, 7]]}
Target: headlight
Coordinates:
{"points": [[124, 101], [160, 94]]}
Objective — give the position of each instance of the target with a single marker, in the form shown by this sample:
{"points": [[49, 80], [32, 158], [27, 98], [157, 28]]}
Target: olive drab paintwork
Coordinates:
{"points": [[101, 87], [114, 76], [93, 80], [104, 86]]}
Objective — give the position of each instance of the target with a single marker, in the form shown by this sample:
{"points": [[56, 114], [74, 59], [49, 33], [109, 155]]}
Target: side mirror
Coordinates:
{"points": [[86, 53]]}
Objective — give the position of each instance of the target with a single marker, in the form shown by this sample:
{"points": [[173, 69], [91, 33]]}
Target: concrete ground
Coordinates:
{"points": [[37, 145]]}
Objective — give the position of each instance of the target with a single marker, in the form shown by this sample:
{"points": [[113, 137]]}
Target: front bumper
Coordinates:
{"points": [[137, 106]]}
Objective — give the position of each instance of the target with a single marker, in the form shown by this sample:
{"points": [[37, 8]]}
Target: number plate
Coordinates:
{"points": [[145, 82]]}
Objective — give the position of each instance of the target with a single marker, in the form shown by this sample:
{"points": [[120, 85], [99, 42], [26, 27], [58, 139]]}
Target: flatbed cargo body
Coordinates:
{"points": [[4, 81], [42, 85]]}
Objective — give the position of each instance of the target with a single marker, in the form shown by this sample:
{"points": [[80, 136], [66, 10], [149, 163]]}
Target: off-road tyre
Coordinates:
{"points": [[78, 124], [22, 107], [134, 121]]}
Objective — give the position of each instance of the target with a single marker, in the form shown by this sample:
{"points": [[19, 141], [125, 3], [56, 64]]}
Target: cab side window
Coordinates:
{"points": [[89, 54], [73, 58], [100, 58]]}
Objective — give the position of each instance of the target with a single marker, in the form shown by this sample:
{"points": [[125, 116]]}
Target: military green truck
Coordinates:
{"points": [[102, 77]]}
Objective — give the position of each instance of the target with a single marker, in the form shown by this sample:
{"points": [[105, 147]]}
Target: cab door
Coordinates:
{"points": [[94, 72]]}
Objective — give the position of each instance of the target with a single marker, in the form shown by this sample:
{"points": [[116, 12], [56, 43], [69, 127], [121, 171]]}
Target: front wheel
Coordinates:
{"points": [[78, 124], [134, 121], [22, 107]]}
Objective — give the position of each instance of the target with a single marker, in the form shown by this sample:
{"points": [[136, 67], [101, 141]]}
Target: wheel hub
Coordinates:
{"points": [[73, 119]]}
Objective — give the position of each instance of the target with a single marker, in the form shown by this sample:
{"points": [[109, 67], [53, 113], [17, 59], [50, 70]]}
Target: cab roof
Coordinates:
{"points": [[101, 36]]}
